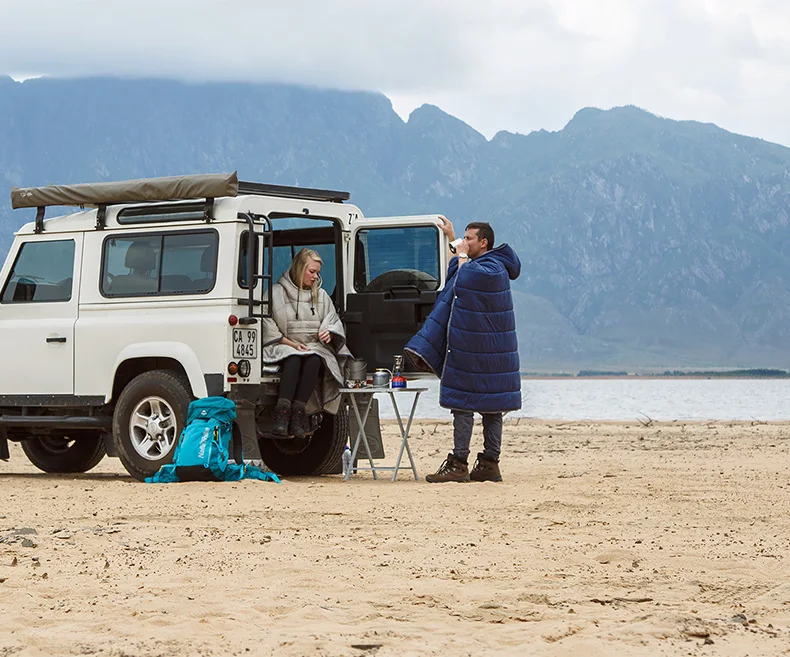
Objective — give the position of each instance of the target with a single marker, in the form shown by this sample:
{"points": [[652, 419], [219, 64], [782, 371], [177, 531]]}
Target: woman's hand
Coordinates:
{"points": [[294, 345], [325, 336]]}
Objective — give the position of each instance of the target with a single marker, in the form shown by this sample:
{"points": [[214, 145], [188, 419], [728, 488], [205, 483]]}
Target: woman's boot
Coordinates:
{"points": [[296, 427], [281, 415]]}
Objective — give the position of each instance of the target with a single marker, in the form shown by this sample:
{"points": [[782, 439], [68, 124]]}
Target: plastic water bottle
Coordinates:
{"points": [[346, 459]]}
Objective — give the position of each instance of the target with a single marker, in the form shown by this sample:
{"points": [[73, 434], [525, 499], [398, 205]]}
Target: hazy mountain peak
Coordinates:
{"points": [[430, 117], [643, 240]]}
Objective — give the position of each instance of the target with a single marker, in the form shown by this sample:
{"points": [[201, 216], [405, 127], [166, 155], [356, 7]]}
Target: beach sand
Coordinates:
{"points": [[604, 538]]}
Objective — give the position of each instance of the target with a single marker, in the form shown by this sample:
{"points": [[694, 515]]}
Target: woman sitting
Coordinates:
{"points": [[307, 338]]}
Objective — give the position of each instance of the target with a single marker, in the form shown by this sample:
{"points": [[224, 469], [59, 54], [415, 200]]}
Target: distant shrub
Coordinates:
{"points": [[758, 373], [600, 373]]}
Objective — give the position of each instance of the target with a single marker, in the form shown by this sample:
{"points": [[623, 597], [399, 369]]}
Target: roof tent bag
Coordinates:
{"points": [[173, 188]]}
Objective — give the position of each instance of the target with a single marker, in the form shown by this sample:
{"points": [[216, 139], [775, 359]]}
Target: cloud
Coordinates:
{"points": [[505, 64], [344, 43]]}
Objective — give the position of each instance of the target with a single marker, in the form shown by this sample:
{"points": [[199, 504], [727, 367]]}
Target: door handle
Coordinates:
{"points": [[57, 339]]}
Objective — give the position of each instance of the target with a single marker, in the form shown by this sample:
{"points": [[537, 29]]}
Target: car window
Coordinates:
{"points": [[391, 257], [159, 264], [282, 258], [189, 263], [43, 271]]}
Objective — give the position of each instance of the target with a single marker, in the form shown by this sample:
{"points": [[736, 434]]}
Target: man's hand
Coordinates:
{"points": [[447, 227], [324, 336]]}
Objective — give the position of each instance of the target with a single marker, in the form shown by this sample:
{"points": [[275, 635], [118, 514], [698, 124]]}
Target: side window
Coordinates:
{"points": [[189, 263], [131, 265], [42, 272], [159, 264], [391, 257]]}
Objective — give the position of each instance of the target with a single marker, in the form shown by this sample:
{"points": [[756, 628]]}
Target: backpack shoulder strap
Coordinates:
{"points": [[236, 444]]}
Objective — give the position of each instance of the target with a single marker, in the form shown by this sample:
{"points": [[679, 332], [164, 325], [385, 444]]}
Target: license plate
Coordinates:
{"points": [[245, 343]]}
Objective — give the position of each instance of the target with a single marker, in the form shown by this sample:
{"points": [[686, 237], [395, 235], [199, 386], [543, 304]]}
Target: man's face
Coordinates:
{"points": [[474, 245]]}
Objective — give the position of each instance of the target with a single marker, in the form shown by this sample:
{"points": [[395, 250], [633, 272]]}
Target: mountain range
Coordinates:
{"points": [[646, 243]]}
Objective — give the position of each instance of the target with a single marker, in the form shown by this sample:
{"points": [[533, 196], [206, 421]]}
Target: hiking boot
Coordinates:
{"points": [[452, 469], [281, 415], [486, 469], [296, 426]]}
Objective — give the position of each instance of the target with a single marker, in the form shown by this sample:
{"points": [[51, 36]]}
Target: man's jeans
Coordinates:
{"points": [[463, 422]]}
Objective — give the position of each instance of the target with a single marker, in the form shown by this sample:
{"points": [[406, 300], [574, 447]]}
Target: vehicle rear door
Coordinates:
{"points": [[396, 265]]}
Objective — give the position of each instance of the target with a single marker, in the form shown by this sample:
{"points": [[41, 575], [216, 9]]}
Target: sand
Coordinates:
{"points": [[604, 538]]}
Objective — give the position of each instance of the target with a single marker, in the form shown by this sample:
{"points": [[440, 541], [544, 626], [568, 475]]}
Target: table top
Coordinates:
{"points": [[377, 389]]}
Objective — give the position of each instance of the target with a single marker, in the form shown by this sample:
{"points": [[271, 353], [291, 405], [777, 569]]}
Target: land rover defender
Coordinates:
{"points": [[151, 293]]}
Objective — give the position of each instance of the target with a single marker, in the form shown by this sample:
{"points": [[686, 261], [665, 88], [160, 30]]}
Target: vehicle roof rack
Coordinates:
{"points": [[306, 193], [145, 190], [151, 190], [173, 188]]}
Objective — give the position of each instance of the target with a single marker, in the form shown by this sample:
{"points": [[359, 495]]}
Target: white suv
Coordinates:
{"points": [[114, 317]]}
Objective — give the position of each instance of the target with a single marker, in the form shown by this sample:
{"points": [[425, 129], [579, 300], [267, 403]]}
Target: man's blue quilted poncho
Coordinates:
{"points": [[469, 339]]}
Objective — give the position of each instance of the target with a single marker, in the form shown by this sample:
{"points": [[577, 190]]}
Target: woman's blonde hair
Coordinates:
{"points": [[296, 271]]}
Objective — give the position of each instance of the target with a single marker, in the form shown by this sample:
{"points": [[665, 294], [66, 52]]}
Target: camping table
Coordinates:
{"points": [[354, 394]]}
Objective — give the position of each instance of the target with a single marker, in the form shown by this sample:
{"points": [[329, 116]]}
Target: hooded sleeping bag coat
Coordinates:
{"points": [[469, 338]]}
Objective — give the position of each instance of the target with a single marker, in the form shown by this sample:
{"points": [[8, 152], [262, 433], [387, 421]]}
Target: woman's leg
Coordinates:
{"points": [[308, 379], [289, 377]]}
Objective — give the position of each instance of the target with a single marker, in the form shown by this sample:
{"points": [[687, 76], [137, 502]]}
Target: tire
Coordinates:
{"points": [[78, 451], [319, 454], [157, 403]]}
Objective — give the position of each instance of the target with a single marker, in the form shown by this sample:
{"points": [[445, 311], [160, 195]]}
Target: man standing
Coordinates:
{"points": [[469, 342]]}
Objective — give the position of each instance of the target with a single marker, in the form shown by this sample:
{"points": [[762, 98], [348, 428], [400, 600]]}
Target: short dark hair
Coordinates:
{"points": [[484, 232]]}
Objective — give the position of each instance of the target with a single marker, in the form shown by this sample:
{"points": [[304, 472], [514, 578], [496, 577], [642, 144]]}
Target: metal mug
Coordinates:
{"points": [[381, 378]]}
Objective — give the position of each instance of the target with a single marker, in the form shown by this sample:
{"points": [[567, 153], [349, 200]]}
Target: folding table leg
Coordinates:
{"points": [[361, 434], [405, 435]]}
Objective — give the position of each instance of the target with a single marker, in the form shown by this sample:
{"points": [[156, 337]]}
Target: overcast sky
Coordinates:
{"points": [[516, 65]]}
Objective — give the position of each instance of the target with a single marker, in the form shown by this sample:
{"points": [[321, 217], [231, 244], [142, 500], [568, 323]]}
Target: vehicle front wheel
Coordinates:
{"points": [[149, 417], [79, 451], [318, 454]]}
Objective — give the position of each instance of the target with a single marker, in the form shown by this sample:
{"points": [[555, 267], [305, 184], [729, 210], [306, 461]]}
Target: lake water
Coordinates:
{"points": [[631, 399]]}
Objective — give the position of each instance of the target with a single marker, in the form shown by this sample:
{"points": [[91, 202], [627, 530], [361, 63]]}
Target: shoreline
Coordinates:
{"points": [[575, 377]]}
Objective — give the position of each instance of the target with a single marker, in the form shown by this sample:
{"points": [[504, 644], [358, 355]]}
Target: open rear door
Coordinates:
{"points": [[396, 267]]}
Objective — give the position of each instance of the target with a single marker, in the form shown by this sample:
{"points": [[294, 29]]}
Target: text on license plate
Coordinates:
{"points": [[245, 343]]}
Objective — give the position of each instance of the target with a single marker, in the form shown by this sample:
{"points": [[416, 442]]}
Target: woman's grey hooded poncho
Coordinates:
{"points": [[296, 317]]}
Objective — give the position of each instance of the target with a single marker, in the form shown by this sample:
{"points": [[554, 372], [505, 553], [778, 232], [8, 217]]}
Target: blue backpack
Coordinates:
{"points": [[202, 451]]}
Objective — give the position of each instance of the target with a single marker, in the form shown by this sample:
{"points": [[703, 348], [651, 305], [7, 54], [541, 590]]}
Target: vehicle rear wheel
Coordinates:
{"points": [[78, 451], [318, 454], [149, 417]]}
